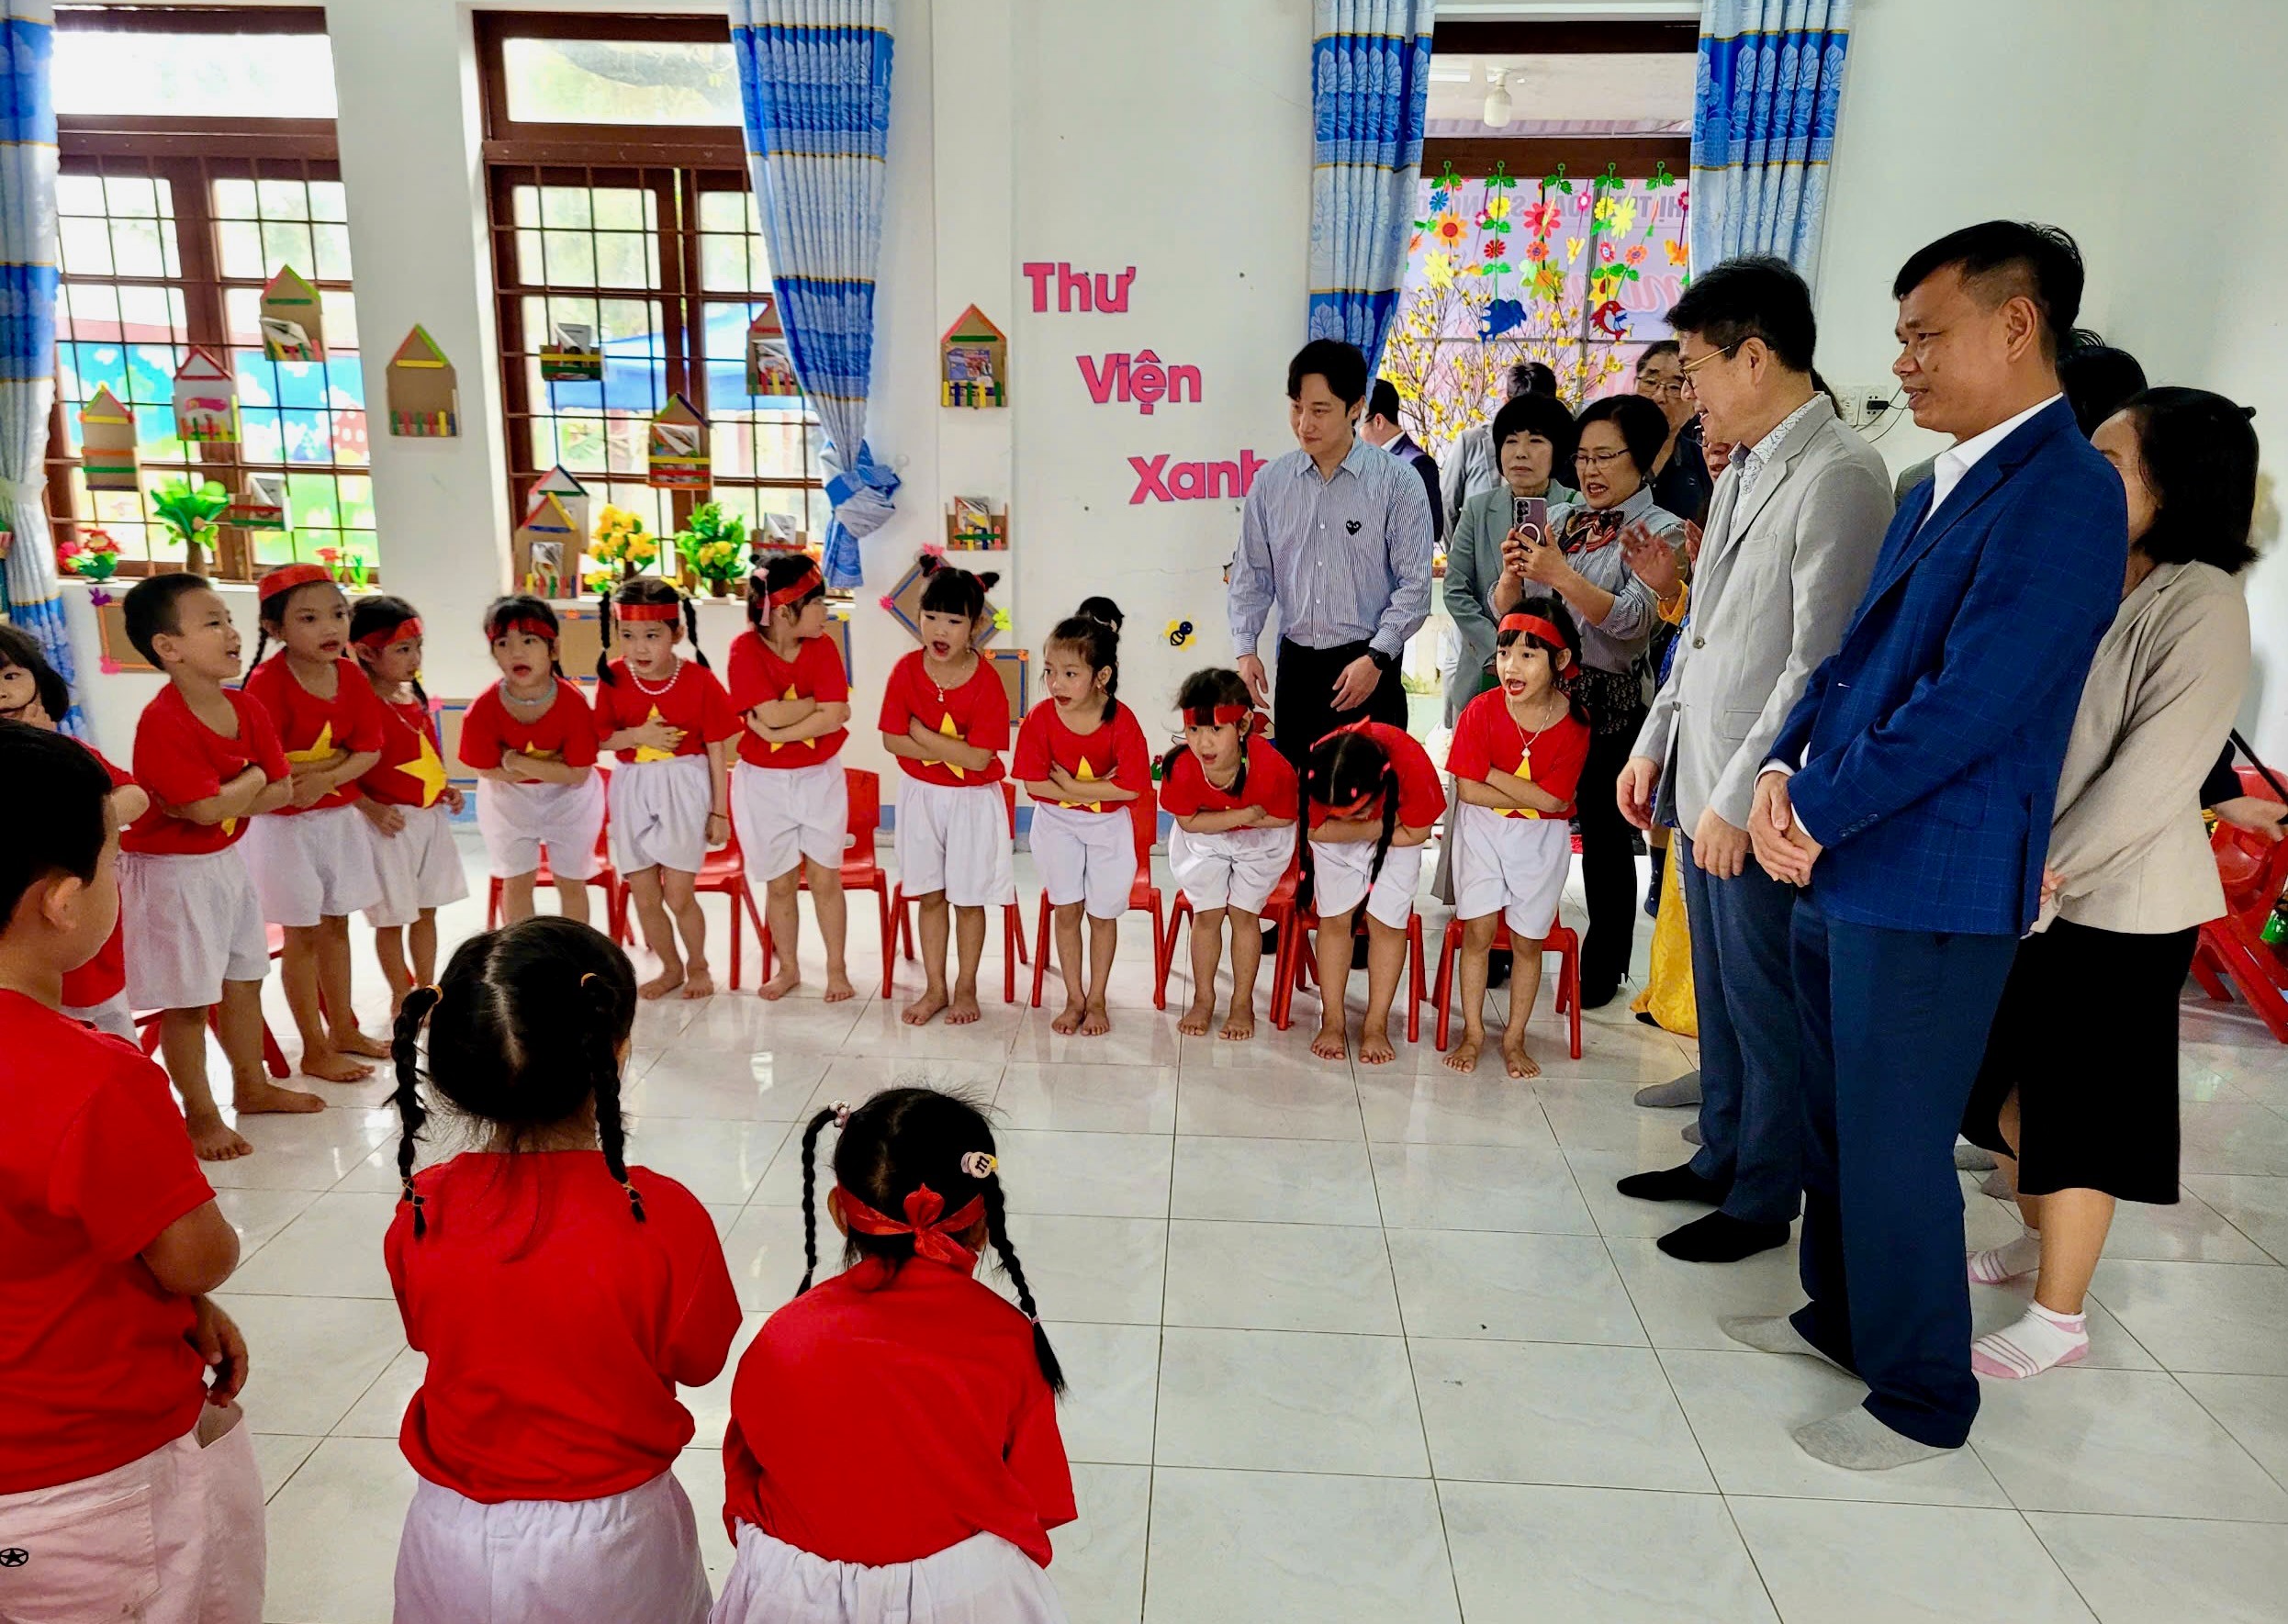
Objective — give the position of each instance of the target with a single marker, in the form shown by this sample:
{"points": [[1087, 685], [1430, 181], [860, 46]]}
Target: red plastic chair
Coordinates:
{"points": [[274, 1058], [1143, 898], [1302, 961], [861, 870], [2254, 872], [1560, 941], [1278, 911], [1011, 919], [606, 876]]}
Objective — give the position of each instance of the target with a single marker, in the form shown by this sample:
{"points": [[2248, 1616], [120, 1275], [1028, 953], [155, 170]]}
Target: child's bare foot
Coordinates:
{"points": [[963, 1010], [1239, 1025], [1198, 1018], [212, 1140], [779, 985], [1374, 1044], [1098, 1023], [838, 987], [261, 1096], [1464, 1055], [328, 1067], [700, 983], [660, 985], [354, 1042], [1068, 1019], [1331, 1042], [925, 1009], [1513, 1056]]}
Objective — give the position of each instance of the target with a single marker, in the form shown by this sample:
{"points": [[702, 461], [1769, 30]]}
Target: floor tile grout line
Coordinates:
{"points": [[2218, 1421]]}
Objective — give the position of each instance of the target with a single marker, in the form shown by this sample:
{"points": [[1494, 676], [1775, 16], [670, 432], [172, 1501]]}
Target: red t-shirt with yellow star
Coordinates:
{"points": [[311, 728], [1487, 738], [759, 677], [1114, 752], [976, 712], [179, 760], [565, 731], [411, 771], [693, 700]]}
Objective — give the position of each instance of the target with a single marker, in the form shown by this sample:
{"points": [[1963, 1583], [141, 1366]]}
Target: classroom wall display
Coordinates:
{"points": [[1015, 667], [119, 653], [206, 400], [425, 392], [973, 526], [290, 318], [973, 361], [676, 455], [769, 363], [904, 600], [107, 442], [544, 554], [571, 356], [261, 503], [561, 483]]}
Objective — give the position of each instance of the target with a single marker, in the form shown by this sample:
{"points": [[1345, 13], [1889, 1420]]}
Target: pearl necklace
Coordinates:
{"points": [[541, 699], [644, 686]]}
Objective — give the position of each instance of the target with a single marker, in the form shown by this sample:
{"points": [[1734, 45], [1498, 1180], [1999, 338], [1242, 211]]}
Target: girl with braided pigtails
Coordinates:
{"points": [[561, 1296], [894, 1451]]}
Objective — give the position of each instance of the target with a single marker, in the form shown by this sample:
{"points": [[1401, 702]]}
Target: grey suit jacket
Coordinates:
{"points": [[1469, 468], [1780, 573]]}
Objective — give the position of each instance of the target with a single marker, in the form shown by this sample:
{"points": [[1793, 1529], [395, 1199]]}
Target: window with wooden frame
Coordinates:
{"points": [[171, 220], [646, 234]]}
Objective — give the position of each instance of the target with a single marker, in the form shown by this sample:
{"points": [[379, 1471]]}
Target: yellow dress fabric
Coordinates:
{"points": [[1667, 995]]}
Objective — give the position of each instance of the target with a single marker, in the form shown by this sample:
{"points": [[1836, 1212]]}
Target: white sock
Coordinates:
{"points": [[2037, 1342], [2022, 1256]]}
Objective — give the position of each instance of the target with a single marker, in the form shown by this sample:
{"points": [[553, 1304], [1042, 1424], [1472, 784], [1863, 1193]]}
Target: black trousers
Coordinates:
{"points": [[1303, 711], [1608, 867]]}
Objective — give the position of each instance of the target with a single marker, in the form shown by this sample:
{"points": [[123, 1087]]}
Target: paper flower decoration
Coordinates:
{"points": [[1001, 620]]}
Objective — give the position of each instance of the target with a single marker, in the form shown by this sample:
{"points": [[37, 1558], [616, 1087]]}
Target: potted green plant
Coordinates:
{"points": [[191, 514], [710, 543]]}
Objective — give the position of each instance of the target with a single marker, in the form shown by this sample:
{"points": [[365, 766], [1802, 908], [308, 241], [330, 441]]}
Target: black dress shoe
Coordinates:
{"points": [[1721, 1239], [1674, 1183], [1599, 995]]}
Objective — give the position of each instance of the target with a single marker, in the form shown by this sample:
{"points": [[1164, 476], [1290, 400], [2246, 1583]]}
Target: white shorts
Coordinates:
{"points": [[1516, 866], [419, 867], [659, 814], [785, 814], [517, 819], [196, 923], [114, 1016], [312, 865], [1341, 866], [632, 1556], [956, 840], [1235, 869], [983, 1580], [1086, 857], [174, 1538]]}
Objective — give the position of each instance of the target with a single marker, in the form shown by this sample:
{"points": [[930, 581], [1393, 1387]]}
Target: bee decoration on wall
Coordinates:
{"points": [[1179, 634]]}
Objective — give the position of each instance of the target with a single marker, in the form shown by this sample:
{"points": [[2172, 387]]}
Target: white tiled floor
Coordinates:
{"points": [[1380, 1344]]}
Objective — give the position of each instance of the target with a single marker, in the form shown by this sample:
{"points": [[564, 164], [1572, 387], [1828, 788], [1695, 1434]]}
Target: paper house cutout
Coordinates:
{"points": [[260, 505], [291, 322], [546, 557], [560, 483], [206, 400], [904, 600], [424, 394], [974, 362], [973, 526], [677, 456], [571, 354], [769, 364], [107, 442]]}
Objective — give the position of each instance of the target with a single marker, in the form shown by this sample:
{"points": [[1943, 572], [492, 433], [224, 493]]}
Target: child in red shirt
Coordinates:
{"points": [[211, 762], [128, 1482], [561, 1296], [531, 739], [1082, 759], [406, 803], [894, 1435], [671, 725], [1232, 797], [1373, 796], [1517, 756], [789, 797], [945, 716], [313, 858]]}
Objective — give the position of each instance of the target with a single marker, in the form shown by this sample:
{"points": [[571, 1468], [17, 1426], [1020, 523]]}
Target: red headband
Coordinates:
{"points": [[1214, 715], [389, 636], [529, 626], [648, 612], [1532, 626], [287, 576], [926, 1221], [802, 587]]}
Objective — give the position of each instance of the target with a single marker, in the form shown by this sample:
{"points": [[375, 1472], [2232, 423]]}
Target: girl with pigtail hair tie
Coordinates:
{"points": [[561, 1296], [951, 1394]]}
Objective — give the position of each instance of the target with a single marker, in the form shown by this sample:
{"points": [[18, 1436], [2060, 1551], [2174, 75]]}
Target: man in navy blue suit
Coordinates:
{"points": [[1909, 794]]}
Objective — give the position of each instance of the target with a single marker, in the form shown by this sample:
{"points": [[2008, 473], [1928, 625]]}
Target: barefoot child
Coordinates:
{"points": [[531, 739], [1373, 796], [312, 858], [789, 798], [32, 692], [945, 716], [1082, 759], [560, 1294], [208, 758], [408, 802], [671, 725], [1233, 799], [1517, 756], [127, 1486], [893, 1452]]}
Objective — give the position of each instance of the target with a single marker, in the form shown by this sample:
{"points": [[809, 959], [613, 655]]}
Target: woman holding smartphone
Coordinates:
{"points": [[1533, 442]]}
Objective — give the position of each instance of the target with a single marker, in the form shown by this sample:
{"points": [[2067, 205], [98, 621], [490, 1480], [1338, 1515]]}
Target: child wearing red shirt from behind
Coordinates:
{"points": [[894, 1451], [560, 1294], [127, 1484]]}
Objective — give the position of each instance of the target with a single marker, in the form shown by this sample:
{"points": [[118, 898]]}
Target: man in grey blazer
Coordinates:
{"points": [[1794, 528]]}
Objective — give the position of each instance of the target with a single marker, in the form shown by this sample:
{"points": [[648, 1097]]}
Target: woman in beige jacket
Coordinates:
{"points": [[2080, 1081]]}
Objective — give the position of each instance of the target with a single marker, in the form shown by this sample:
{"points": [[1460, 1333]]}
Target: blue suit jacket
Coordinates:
{"points": [[1929, 741]]}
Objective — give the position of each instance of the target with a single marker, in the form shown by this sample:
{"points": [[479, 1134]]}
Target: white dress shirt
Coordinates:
{"points": [[1956, 461]]}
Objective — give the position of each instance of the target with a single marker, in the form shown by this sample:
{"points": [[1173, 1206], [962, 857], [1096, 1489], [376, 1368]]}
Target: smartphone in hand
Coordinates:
{"points": [[1528, 517]]}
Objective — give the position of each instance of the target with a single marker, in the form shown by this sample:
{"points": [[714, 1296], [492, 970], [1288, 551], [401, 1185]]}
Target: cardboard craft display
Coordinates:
{"points": [[973, 526], [292, 323], [904, 600], [423, 390], [107, 443], [544, 557], [261, 503], [973, 361], [571, 356], [769, 363], [206, 400], [560, 483], [675, 453]]}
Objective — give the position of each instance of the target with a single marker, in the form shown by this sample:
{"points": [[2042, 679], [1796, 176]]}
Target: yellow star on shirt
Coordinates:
{"points": [[1083, 774], [426, 769], [653, 752], [321, 747], [1525, 771], [951, 732], [777, 745]]}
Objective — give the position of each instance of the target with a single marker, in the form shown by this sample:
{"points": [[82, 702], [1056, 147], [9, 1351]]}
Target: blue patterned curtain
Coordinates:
{"points": [[814, 76], [1770, 82], [27, 327], [1370, 96]]}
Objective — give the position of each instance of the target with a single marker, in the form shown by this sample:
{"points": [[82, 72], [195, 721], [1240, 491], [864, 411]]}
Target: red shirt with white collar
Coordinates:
{"points": [[1114, 753]]}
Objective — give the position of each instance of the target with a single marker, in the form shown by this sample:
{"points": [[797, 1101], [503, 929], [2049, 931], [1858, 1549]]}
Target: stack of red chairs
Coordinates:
{"points": [[2254, 871], [1143, 897]]}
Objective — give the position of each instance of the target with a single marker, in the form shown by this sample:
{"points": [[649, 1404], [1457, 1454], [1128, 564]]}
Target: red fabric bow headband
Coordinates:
{"points": [[926, 1221], [1213, 716], [287, 576], [802, 587], [1532, 626], [389, 636]]}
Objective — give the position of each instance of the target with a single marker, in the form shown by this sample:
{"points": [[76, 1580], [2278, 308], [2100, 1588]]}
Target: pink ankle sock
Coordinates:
{"points": [[2039, 1341]]}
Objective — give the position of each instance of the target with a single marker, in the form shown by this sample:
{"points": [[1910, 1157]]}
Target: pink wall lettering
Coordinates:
{"points": [[1079, 290], [1193, 482], [1140, 379]]}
